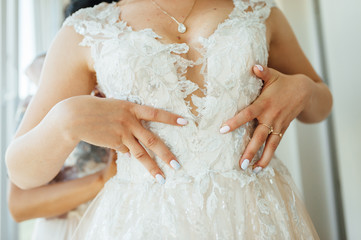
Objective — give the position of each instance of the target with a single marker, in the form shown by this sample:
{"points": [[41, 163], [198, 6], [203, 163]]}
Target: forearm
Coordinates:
{"points": [[35, 158], [53, 199], [319, 105]]}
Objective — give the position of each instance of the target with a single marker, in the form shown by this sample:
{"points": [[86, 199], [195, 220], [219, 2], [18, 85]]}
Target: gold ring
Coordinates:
{"points": [[279, 134], [269, 127]]}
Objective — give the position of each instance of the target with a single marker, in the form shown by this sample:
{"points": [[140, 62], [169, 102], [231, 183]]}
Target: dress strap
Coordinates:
{"points": [[96, 23], [271, 3], [254, 9]]}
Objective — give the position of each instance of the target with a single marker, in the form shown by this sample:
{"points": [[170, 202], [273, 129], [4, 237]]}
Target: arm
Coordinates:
{"points": [[287, 57], [292, 89], [57, 198], [53, 199], [66, 73], [62, 113]]}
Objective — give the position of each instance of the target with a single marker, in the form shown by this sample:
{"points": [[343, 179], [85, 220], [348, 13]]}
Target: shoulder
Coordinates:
{"points": [[285, 52], [68, 40], [279, 29]]}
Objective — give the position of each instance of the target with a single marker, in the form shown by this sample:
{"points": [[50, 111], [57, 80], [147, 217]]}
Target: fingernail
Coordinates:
{"points": [[244, 164], [175, 164], [259, 67], [257, 170], [224, 129], [160, 178], [182, 121], [127, 154]]}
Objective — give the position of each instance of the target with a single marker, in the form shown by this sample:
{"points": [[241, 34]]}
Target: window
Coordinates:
{"points": [[8, 101], [27, 28]]}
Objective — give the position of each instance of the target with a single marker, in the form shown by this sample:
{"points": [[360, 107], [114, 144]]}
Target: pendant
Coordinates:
{"points": [[182, 28]]}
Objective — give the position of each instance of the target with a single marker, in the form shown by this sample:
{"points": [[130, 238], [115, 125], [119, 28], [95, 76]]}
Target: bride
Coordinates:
{"points": [[200, 92]]}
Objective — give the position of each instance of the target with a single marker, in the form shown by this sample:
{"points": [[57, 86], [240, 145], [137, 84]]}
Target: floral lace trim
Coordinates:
{"points": [[103, 22]]}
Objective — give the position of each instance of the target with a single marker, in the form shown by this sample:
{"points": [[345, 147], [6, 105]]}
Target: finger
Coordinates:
{"points": [[158, 115], [259, 137], [268, 75], [113, 157], [247, 114], [154, 143], [98, 93], [141, 154], [270, 147], [122, 148]]}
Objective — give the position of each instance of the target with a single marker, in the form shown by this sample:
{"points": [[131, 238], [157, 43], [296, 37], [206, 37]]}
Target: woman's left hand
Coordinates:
{"points": [[282, 99], [111, 169]]}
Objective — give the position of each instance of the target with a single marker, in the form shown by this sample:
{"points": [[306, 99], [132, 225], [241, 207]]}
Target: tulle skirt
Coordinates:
{"points": [[232, 204], [55, 229], [59, 228]]}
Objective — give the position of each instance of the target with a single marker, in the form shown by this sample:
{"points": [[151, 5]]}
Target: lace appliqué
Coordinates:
{"points": [[210, 196]]}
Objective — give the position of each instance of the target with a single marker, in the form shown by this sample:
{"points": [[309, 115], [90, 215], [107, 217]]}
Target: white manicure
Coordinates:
{"points": [[160, 178], [259, 67], [182, 121], [257, 170], [175, 164], [244, 164], [224, 129]]}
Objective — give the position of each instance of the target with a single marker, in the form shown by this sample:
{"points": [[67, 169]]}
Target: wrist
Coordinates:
{"points": [[314, 104], [65, 119], [308, 89], [100, 179]]}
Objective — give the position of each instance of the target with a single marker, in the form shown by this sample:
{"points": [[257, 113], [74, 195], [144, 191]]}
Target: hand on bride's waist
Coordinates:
{"points": [[283, 98], [116, 124]]}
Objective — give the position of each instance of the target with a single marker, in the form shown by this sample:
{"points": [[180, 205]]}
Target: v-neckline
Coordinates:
{"points": [[155, 36], [219, 26]]}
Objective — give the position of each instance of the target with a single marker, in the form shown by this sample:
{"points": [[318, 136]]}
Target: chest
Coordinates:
{"points": [[202, 20], [138, 67], [201, 17], [196, 78]]}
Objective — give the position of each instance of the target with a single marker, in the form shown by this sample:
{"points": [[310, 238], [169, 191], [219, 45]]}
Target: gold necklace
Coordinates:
{"points": [[181, 27]]}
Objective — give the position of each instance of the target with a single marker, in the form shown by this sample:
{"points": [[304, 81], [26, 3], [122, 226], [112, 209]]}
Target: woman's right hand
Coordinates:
{"points": [[115, 124]]}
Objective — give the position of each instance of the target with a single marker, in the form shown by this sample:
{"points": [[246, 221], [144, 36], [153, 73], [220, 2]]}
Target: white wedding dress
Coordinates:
{"points": [[84, 160], [210, 197]]}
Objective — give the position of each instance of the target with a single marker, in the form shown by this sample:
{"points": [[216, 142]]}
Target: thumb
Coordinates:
{"points": [[268, 75]]}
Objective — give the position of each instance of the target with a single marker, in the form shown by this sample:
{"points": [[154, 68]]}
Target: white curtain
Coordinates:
{"points": [[8, 101], [342, 24], [48, 19]]}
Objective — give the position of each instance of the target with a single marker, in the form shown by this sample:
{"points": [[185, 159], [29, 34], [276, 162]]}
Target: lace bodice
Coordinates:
{"points": [[135, 66]]}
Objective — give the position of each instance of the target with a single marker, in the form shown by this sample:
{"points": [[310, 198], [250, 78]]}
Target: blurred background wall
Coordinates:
{"points": [[307, 149], [327, 166], [342, 42], [324, 158]]}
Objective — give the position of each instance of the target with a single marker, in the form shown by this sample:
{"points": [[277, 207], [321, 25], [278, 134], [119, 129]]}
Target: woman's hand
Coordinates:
{"points": [[116, 124], [111, 169], [282, 99]]}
